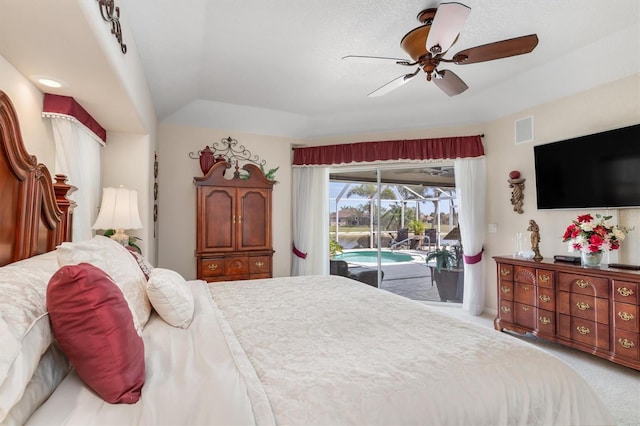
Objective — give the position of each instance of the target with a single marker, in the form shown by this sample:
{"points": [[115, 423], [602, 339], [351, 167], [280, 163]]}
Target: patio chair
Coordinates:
{"points": [[364, 275]]}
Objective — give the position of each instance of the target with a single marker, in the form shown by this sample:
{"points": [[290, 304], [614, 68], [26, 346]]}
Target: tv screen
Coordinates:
{"points": [[595, 171]]}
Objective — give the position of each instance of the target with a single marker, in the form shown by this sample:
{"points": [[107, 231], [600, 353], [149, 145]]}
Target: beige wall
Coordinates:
{"points": [[602, 108], [177, 200], [27, 101]]}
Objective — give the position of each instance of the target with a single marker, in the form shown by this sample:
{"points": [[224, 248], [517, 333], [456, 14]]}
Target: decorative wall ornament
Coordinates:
{"points": [[230, 151], [111, 14], [516, 183]]}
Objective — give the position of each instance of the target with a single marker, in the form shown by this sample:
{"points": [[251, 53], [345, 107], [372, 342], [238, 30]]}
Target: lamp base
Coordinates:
{"points": [[121, 237]]}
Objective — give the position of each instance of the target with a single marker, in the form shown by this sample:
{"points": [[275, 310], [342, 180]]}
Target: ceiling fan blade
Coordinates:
{"points": [[497, 50], [449, 82], [375, 60], [446, 26], [393, 84]]}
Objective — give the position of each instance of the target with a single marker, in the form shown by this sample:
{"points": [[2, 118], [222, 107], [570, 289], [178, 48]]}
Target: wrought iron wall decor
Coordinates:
{"points": [[111, 14], [229, 150]]}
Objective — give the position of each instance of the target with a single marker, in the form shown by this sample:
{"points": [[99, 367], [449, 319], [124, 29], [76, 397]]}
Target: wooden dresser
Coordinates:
{"points": [[233, 224], [592, 309]]}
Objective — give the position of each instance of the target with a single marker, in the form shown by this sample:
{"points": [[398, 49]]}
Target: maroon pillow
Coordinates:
{"points": [[94, 327]]}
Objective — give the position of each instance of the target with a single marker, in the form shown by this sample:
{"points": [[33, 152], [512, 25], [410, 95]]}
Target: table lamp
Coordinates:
{"points": [[119, 211]]}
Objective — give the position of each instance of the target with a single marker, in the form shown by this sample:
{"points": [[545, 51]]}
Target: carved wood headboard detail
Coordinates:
{"points": [[35, 214]]}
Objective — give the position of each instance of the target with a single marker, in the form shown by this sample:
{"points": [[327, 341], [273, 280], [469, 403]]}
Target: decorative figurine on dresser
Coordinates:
{"points": [[233, 217]]}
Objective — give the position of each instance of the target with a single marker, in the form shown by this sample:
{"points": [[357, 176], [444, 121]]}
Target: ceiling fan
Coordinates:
{"points": [[428, 44]]}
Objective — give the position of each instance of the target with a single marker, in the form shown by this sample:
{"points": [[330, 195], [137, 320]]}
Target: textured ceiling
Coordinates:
{"points": [[275, 67]]}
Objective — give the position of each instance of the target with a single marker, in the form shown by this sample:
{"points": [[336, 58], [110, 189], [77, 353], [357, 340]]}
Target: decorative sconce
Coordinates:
{"points": [[516, 183]]}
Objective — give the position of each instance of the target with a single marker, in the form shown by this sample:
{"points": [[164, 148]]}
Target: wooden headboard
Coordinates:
{"points": [[35, 214]]}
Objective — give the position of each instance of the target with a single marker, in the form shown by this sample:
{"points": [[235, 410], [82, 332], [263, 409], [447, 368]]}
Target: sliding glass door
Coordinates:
{"points": [[387, 222]]}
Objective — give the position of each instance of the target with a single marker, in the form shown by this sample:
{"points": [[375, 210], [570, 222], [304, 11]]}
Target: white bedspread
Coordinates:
{"points": [[330, 350]]}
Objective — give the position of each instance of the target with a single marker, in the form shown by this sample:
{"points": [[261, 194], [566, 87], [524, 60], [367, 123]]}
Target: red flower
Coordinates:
{"points": [[596, 240], [600, 230], [585, 218], [569, 232]]}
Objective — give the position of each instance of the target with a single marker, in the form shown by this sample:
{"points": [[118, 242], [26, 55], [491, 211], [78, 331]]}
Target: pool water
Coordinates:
{"points": [[371, 257]]}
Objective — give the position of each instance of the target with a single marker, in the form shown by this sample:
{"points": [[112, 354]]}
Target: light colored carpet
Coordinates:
{"points": [[618, 386]]}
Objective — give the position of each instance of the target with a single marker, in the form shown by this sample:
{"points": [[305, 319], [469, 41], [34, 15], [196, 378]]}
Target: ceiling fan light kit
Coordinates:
{"points": [[427, 45]]}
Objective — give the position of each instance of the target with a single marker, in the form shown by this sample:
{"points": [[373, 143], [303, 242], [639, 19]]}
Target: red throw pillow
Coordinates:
{"points": [[94, 327]]}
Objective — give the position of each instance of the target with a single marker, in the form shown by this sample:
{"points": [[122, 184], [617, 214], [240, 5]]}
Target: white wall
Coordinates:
{"points": [[177, 193]]}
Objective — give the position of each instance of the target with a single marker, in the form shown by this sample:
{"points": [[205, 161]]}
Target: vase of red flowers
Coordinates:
{"points": [[592, 236]]}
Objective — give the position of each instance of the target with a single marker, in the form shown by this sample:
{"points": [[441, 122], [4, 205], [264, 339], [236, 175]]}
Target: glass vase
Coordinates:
{"points": [[591, 259]]}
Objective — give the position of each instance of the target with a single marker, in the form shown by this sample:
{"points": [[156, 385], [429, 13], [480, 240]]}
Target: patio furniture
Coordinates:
{"points": [[359, 273]]}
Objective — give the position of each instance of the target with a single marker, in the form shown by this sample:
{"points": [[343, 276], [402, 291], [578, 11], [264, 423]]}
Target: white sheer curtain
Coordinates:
{"points": [[471, 189], [79, 157], [310, 221]]}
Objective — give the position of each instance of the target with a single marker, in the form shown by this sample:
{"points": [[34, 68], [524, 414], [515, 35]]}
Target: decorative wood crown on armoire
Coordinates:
{"points": [[233, 239]]}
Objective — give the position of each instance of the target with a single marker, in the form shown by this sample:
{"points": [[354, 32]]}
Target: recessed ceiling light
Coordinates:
{"points": [[49, 82]]}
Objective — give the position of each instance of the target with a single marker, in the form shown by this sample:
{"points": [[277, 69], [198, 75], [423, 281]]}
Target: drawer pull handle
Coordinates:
{"points": [[525, 308], [583, 306], [626, 343], [505, 289], [623, 291], [626, 316], [212, 266], [505, 272], [545, 320], [583, 330], [583, 283], [544, 278], [259, 264], [505, 309], [544, 298], [525, 288]]}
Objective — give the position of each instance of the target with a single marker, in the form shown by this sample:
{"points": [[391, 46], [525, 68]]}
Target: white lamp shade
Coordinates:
{"points": [[119, 210]]}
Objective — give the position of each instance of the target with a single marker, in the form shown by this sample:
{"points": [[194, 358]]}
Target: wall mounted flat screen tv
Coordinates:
{"points": [[601, 170]]}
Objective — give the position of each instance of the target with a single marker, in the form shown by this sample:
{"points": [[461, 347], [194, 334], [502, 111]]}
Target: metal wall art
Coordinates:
{"points": [[111, 14]]}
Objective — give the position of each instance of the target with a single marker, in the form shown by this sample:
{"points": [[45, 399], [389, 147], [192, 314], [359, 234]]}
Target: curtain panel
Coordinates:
{"points": [[395, 150]]}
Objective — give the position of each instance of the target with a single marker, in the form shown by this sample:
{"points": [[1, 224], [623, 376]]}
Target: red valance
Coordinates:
{"points": [[414, 149], [67, 106]]}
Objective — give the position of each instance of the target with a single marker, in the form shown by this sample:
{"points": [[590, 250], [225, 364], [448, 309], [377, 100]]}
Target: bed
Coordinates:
{"points": [[295, 350]]}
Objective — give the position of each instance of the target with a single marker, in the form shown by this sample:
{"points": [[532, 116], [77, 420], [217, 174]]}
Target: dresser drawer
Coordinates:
{"points": [[259, 265], [524, 274], [505, 289], [546, 298], [524, 315], [584, 284], [236, 265], [212, 267], [626, 344], [544, 278], [546, 322], [590, 333], [625, 316], [626, 292], [585, 307], [505, 272], [524, 293], [505, 310]]}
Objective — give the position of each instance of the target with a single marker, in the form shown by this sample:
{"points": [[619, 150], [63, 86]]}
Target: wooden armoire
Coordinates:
{"points": [[233, 237]]}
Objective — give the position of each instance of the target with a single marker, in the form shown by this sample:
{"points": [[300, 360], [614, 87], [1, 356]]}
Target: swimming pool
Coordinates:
{"points": [[370, 257]]}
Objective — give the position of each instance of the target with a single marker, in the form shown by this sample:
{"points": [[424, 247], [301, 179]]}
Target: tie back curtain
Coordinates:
{"points": [[310, 198]]}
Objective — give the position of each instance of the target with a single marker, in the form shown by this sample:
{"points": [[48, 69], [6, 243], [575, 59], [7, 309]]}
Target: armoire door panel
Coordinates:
{"points": [[219, 206]]}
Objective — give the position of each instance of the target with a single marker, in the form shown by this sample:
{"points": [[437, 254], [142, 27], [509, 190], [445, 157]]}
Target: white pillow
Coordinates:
{"points": [[116, 261], [25, 333], [171, 297]]}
